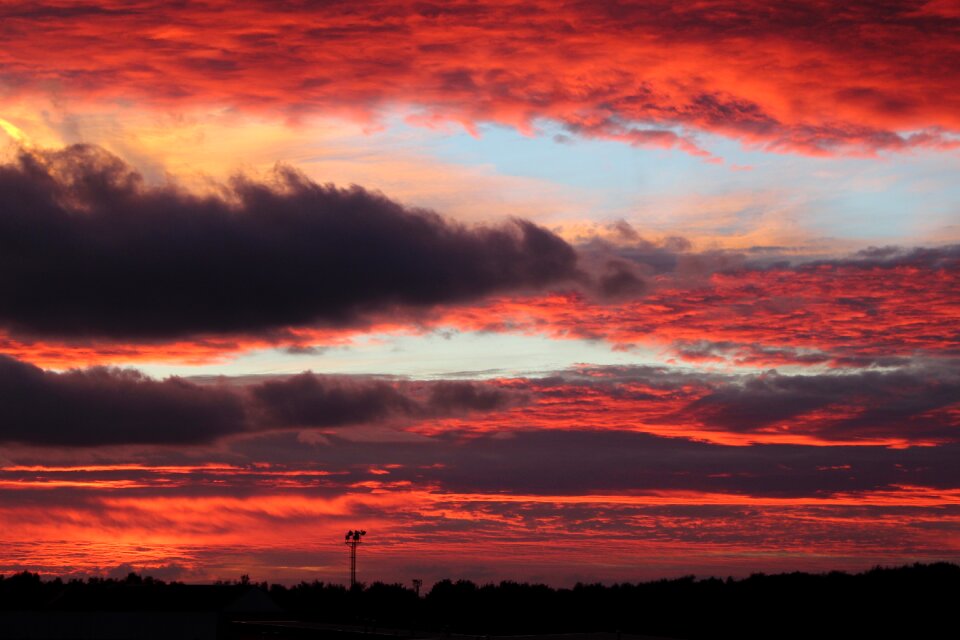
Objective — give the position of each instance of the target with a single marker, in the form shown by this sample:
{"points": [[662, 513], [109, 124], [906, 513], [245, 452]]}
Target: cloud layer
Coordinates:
{"points": [[726, 307], [656, 460], [792, 77], [910, 405]]}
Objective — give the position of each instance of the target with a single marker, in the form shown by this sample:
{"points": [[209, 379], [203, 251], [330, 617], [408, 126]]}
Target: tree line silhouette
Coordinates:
{"points": [[915, 601]]}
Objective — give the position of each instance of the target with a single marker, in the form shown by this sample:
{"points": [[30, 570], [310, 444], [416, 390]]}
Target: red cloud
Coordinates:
{"points": [[843, 313], [797, 77], [903, 407]]}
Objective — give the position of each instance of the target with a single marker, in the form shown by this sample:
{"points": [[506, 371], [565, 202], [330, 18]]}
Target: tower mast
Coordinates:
{"points": [[352, 539]]}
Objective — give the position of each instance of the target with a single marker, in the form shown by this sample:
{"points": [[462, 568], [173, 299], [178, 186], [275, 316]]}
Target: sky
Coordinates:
{"points": [[548, 291]]}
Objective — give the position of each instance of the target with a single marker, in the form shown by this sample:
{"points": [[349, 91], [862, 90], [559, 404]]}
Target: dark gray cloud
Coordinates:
{"points": [[103, 406], [109, 406], [309, 400], [87, 249]]}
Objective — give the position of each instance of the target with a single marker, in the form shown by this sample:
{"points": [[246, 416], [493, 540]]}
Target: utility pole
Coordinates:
{"points": [[353, 539]]}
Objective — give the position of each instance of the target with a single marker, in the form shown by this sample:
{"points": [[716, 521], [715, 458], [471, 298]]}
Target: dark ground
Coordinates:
{"points": [[912, 601]]}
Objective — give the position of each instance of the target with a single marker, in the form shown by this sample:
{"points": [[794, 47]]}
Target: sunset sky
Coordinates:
{"points": [[537, 290]]}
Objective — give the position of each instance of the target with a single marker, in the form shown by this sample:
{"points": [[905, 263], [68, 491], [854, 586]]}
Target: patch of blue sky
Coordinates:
{"points": [[433, 355], [452, 355], [905, 196], [587, 163]]}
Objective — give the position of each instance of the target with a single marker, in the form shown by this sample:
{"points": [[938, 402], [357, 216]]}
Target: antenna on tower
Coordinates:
{"points": [[353, 539]]}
